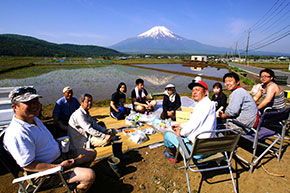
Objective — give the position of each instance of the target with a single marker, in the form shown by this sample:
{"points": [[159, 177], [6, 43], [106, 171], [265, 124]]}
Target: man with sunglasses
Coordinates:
{"points": [[32, 145]]}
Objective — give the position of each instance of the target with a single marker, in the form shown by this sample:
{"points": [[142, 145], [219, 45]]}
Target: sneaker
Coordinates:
{"points": [[169, 156]]}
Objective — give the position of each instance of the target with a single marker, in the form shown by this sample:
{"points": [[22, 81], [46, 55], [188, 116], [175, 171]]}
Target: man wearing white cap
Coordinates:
{"points": [[63, 109], [203, 118], [171, 102], [32, 145]]}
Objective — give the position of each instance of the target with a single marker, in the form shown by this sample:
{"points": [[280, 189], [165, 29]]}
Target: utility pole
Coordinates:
{"points": [[239, 52], [236, 49], [246, 58]]}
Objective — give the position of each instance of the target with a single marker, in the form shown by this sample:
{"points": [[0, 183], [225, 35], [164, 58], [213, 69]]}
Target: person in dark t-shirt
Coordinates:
{"points": [[220, 98], [139, 98], [117, 108]]}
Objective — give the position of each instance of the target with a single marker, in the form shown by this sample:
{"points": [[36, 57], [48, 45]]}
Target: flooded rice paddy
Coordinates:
{"points": [[101, 82], [207, 71]]}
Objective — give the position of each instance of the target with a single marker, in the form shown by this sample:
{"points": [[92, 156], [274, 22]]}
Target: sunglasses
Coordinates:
{"points": [[21, 91], [265, 76]]}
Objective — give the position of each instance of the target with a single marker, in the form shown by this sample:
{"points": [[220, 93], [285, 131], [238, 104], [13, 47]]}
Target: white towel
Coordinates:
{"points": [[137, 93]]}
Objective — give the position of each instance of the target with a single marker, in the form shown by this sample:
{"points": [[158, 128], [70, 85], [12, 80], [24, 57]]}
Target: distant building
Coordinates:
{"points": [[199, 58], [197, 68], [283, 58]]}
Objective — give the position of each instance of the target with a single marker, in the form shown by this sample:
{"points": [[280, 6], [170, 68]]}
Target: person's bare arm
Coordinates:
{"points": [[113, 106], [258, 95]]}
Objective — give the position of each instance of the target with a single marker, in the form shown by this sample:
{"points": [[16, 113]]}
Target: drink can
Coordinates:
{"points": [[65, 145]]}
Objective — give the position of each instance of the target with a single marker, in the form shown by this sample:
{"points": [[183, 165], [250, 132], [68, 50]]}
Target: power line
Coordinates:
{"points": [[268, 21], [261, 41], [267, 40], [257, 26], [273, 41], [265, 14], [274, 23]]}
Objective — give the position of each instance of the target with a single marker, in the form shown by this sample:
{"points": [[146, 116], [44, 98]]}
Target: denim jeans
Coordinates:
{"points": [[170, 142]]}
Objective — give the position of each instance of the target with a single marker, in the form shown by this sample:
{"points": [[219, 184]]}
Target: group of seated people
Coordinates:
{"points": [[242, 107], [72, 116], [33, 147]]}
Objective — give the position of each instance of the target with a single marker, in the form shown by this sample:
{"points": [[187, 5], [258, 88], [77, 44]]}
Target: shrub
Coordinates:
{"points": [[247, 81]]}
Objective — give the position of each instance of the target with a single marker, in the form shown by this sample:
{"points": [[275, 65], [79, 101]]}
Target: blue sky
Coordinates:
{"points": [[104, 23]]}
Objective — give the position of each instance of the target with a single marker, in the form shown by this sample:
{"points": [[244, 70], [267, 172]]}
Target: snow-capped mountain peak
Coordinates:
{"points": [[158, 32]]}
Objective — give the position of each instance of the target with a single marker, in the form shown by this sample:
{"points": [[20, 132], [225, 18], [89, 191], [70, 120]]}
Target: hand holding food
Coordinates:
{"points": [[79, 157]]}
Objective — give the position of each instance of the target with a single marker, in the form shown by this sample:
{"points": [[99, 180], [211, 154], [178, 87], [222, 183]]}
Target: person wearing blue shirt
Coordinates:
{"points": [[64, 108]]}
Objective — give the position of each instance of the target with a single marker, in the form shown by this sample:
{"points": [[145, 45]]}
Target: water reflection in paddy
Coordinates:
{"points": [[101, 82], [207, 71]]}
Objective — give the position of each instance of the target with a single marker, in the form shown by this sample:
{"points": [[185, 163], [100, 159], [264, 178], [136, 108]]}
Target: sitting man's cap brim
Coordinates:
{"points": [[26, 97], [198, 83]]}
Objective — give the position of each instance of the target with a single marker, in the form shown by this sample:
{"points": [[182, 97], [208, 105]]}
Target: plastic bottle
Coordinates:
{"points": [[137, 117]]}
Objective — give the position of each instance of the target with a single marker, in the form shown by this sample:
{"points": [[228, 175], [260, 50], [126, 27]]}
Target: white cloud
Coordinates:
{"points": [[237, 26]]}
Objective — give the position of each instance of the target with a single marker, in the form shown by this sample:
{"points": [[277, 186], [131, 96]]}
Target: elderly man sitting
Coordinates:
{"points": [[63, 109], [83, 128], [203, 118], [34, 148]]}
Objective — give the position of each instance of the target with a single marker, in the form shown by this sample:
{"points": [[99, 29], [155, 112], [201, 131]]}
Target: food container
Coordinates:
{"points": [[129, 131]]}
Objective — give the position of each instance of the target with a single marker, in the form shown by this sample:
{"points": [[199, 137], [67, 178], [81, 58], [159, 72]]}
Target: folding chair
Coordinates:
{"points": [[10, 164], [271, 124], [217, 149]]}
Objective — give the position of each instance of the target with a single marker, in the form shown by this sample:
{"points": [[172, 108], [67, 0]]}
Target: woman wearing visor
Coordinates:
{"points": [[171, 102]]}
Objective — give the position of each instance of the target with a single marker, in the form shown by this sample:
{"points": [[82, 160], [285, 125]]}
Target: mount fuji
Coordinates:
{"points": [[160, 40]]}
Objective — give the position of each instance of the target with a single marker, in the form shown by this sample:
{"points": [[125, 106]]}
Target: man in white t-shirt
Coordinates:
{"points": [[203, 118], [32, 145]]}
